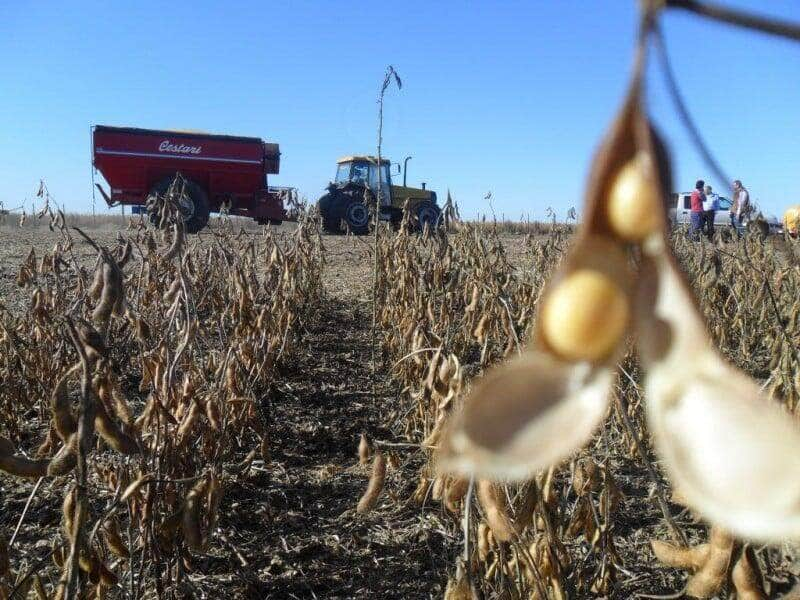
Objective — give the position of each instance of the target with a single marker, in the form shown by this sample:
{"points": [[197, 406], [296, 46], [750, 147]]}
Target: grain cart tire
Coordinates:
{"points": [[193, 205], [428, 213], [331, 218], [356, 215]]}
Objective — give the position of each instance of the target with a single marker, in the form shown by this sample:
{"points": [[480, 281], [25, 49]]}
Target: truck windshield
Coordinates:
{"points": [[343, 173]]}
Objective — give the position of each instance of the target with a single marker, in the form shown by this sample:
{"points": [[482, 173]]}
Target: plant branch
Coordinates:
{"points": [[387, 80], [739, 18], [85, 433], [25, 511]]}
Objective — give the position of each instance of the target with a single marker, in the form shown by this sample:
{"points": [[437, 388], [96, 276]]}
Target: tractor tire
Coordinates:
{"points": [[428, 213], [356, 215], [331, 217], [395, 219], [193, 206]]}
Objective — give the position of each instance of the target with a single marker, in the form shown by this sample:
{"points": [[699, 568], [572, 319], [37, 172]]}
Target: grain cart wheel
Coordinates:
{"points": [[428, 213], [356, 215], [331, 219], [193, 204], [194, 207]]}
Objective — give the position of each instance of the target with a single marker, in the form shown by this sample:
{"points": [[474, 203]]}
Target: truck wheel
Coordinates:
{"points": [[356, 215], [330, 216], [428, 213], [193, 205]]}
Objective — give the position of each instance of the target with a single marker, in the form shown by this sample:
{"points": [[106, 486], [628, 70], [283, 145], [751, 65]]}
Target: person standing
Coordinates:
{"points": [[710, 207], [697, 209], [740, 206]]}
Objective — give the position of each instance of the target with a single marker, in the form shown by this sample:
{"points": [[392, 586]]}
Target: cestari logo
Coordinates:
{"points": [[167, 146]]}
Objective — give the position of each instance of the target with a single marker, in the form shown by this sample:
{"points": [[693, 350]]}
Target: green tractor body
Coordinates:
{"points": [[352, 196]]}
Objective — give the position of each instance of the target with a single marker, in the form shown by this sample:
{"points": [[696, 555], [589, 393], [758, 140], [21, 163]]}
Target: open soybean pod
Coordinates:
{"points": [[730, 451], [535, 410]]}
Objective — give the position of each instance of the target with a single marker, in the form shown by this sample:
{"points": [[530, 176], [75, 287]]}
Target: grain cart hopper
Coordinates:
{"points": [[220, 170]]}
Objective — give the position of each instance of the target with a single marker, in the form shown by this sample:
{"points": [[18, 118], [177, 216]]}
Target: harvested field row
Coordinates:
{"points": [[288, 524]]}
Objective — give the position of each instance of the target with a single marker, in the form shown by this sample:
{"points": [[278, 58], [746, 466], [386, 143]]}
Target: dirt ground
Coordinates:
{"points": [[290, 530]]}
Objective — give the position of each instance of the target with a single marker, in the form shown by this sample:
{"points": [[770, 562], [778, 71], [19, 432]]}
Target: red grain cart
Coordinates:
{"points": [[220, 170]]}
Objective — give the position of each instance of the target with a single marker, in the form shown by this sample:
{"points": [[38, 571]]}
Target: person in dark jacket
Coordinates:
{"points": [[698, 198]]}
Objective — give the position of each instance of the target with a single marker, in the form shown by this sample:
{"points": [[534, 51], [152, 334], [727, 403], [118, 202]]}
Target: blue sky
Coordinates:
{"points": [[508, 97]]}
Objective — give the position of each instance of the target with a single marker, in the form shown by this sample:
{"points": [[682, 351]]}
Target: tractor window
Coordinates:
{"points": [[343, 172], [373, 176], [360, 173]]}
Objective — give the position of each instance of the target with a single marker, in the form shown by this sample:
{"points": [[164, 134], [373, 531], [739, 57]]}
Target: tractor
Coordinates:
{"points": [[351, 197]]}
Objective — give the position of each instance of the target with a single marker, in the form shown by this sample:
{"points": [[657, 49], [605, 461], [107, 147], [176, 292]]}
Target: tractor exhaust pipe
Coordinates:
{"points": [[405, 169]]}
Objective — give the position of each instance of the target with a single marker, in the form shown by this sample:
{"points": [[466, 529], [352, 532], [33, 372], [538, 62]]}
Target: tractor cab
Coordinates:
{"points": [[351, 197], [363, 171]]}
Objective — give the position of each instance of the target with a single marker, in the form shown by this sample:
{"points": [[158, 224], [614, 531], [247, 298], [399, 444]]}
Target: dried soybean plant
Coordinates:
{"points": [[451, 306], [749, 294], [445, 310], [715, 565], [389, 76], [726, 448], [461, 307], [166, 352]]}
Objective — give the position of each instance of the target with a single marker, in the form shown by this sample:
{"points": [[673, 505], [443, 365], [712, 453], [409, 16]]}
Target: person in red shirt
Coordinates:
{"points": [[698, 197]]}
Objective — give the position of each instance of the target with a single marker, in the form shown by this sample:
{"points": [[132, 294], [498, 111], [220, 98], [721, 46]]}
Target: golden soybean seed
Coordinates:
{"points": [[633, 204], [585, 316]]}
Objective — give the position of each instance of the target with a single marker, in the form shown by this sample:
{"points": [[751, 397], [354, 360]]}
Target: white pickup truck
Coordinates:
{"points": [[680, 208]]}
